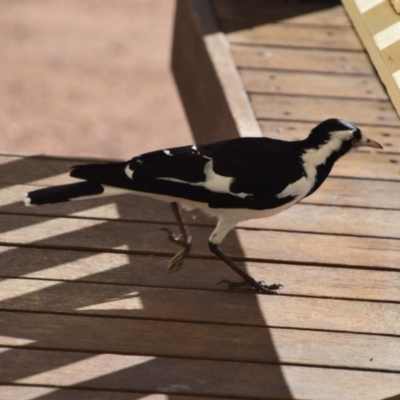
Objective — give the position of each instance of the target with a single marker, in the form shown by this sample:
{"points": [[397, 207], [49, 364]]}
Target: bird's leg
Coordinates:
{"points": [[248, 281], [184, 239], [223, 227]]}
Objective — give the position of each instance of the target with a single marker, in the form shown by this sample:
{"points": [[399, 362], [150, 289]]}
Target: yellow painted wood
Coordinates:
{"points": [[377, 24]]}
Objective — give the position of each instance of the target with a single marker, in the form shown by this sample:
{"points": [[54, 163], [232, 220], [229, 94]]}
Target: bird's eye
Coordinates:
{"points": [[354, 141]]}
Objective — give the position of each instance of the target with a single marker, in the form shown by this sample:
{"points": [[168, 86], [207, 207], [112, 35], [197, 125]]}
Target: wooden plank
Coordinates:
{"points": [[319, 249], [312, 109], [356, 192], [26, 392], [323, 13], [194, 377], [369, 165], [376, 222], [300, 36], [333, 220], [138, 270], [143, 238], [298, 59], [182, 305], [338, 220], [377, 25], [389, 137], [312, 84], [205, 341], [36, 169]]}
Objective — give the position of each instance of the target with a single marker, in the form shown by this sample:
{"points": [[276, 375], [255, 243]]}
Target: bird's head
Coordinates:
{"points": [[339, 135]]}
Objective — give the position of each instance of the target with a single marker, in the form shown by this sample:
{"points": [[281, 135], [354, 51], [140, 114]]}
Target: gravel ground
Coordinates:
{"points": [[88, 78]]}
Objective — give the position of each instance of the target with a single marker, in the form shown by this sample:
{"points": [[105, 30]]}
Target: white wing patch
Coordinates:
{"points": [[129, 172], [218, 183], [214, 182], [296, 189]]}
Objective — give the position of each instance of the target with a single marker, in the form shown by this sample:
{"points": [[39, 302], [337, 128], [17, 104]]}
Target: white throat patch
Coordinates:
{"points": [[319, 155], [312, 158]]}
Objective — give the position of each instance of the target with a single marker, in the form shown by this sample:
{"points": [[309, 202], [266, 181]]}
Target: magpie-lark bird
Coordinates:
{"points": [[233, 180]]}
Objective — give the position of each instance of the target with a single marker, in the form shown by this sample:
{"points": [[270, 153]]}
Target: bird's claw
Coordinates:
{"points": [[175, 263], [171, 236], [260, 286]]}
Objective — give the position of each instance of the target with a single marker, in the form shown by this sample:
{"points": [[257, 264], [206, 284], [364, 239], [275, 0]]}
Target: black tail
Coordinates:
{"points": [[112, 174], [57, 194]]}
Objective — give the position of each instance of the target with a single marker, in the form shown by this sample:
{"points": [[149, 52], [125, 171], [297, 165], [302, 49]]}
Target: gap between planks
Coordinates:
{"points": [[137, 270], [198, 306], [209, 378], [145, 238], [12, 391], [49, 331]]}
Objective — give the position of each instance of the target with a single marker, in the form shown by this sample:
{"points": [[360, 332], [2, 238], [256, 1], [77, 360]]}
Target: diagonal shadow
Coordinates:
{"points": [[236, 15], [66, 303], [67, 299]]}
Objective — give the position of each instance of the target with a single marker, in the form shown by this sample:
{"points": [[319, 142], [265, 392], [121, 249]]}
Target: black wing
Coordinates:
{"points": [[259, 166], [260, 169]]}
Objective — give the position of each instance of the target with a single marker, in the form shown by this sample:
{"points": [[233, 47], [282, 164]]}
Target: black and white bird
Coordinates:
{"points": [[233, 180]]}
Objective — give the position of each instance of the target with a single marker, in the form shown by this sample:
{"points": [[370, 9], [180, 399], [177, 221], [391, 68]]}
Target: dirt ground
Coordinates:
{"points": [[88, 78]]}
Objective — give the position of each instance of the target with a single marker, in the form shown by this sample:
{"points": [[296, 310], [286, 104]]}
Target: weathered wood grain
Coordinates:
{"points": [[234, 308], [372, 196], [70, 304], [306, 217], [208, 378], [312, 109], [124, 269], [357, 192], [303, 217], [286, 35], [136, 237], [205, 341], [36, 169], [337, 220], [25, 392], [312, 84], [370, 165], [299, 59]]}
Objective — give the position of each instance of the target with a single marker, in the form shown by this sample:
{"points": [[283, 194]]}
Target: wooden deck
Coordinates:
{"points": [[86, 308]]}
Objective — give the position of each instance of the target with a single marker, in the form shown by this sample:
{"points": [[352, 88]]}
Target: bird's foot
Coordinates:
{"points": [[173, 238], [175, 263], [259, 287]]}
